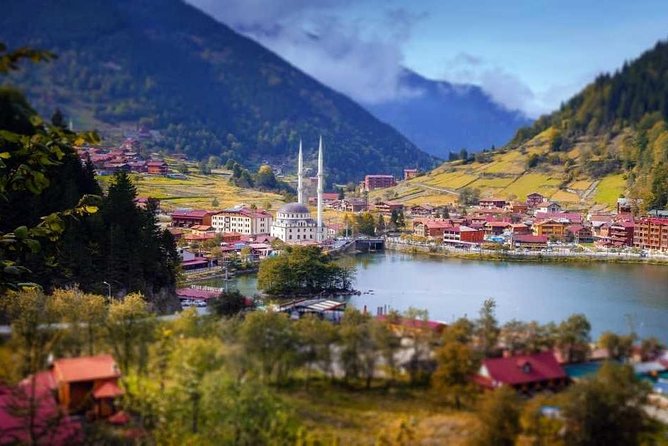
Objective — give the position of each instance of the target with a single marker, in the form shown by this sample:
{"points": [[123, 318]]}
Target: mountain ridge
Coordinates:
{"points": [[209, 90]]}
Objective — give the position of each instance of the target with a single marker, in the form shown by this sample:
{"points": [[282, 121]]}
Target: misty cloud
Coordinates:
{"points": [[505, 88], [360, 59]]}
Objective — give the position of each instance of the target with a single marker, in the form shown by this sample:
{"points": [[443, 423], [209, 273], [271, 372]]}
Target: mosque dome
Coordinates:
{"points": [[293, 208]]}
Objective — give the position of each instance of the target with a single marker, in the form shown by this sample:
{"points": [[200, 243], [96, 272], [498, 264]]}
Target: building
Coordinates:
{"points": [[565, 217], [186, 218], [387, 207], [463, 234], [621, 233], [242, 220], [410, 173], [430, 228], [492, 203], [579, 233], [87, 384], [548, 207], [527, 373], [651, 233], [372, 182], [550, 228], [353, 205], [157, 167], [496, 227], [293, 223], [529, 241], [534, 199]]}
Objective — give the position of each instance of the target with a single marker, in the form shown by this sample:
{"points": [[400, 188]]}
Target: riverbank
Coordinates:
{"points": [[522, 256]]}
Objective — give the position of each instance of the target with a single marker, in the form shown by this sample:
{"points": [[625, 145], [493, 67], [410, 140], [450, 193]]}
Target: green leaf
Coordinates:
{"points": [[21, 232]]}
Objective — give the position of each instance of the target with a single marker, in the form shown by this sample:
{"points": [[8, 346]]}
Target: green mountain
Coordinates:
{"points": [[205, 88], [608, 141], [618, 124]]}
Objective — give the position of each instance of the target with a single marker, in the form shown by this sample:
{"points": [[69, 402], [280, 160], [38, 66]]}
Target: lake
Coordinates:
{"points": [[612, 296]]}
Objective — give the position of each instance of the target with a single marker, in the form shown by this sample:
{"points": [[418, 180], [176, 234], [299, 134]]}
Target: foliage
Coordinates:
{"points": [[469, 196], [487, 329], [229, 303], [633, 99], [573, 336], [606, 409], [499, 414], [302, 270]]}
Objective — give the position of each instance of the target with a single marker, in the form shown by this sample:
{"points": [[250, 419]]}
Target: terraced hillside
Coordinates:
{"points": [[508, 175]]}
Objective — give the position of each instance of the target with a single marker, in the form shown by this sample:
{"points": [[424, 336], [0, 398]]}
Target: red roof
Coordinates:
{"points": [[197, 213], [108, 390], [193, 293], [573, 217], [119, 418], [85, 368], [528, 238], [524, 369]]}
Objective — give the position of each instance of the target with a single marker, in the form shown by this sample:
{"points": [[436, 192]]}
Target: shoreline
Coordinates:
{"points": [[530, 257]]}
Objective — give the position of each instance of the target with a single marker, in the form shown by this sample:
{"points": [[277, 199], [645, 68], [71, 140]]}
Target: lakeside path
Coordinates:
{"points": [[560, 256]]}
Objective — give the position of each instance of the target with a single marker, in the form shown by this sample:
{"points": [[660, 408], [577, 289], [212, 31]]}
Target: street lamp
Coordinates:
{"points": [[109, 286]]}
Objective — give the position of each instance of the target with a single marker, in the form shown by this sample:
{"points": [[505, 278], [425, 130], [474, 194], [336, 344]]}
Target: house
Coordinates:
{"points": [[157, 167], [529, 241], [410, 173], [651, 233], [550, 228], [87, 384], [565, 217], [353, 205], [201, 229], [327, 198], [496, 227], [372, 182], [548, 207], [387, 207], [492, 203], [517, 207], [526, 373], [534, 199], [520, 229], [430, 228], [243, 220], [186, 218], [621, 233], [579, 233], [418, 210], [463, 234]]}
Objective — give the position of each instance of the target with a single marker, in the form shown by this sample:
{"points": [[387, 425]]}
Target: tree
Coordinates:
{"points": [[229, 303], [215, 203], [573, 337], [380, 225], [463, 155], [58, 119], [268, 339], [615, 392], [618, 347], [456, 362], [487, 329], [265, 178], [129, 329], [499, 415], [469, 196], [420, 337], [84, 315], [315, 337]]}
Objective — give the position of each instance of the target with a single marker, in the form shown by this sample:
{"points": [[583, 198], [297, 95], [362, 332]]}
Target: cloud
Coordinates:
{"points": [[503, 87], [362, 59]]}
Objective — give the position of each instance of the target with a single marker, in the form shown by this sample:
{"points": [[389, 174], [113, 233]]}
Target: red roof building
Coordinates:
{"points": [[187, 218], [651, 233], [157, 167], [529, 241], [372, 182], [523, 372]]}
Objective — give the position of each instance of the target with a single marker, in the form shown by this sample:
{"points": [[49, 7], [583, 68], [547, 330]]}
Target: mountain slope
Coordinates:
{"points": [[609, 140], [441, 117], [208, 90]]}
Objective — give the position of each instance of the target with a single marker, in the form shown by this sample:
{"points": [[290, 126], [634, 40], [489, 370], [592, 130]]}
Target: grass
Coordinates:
{"points": [[609, 189], [581, 185], [337, 415], [451, 180], [564, 196], [532, 182], [198, 191], [433, 199]]}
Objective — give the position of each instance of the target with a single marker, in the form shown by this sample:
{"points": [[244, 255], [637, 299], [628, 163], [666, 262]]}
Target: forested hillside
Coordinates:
{"points": [[623, 118], [207, 90]]}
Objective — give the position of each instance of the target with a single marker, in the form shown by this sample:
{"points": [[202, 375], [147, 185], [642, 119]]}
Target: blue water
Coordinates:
{"points": [[613, 297]]}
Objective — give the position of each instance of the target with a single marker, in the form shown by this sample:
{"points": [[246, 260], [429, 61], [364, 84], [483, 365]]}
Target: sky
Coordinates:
{"points": [[528, 55]]}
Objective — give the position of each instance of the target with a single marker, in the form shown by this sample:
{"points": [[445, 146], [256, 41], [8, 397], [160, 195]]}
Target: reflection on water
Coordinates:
{"points": [[613, 297]]}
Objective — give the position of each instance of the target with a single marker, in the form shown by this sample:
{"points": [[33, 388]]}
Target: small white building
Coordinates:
{"points": [[293, 224]]}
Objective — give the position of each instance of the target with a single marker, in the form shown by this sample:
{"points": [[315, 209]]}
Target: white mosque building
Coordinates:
{"points": [[293, 223]]}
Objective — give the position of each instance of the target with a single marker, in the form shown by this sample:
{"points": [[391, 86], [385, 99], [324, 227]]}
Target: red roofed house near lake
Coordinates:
{"points": [[523, 372], [87, 384]]}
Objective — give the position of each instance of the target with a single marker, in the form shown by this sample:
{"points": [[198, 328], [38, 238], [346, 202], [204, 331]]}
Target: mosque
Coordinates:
{"points": [[293, 223]]}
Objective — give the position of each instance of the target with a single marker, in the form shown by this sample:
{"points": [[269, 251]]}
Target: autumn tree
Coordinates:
{"points": [[499, 415]]}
